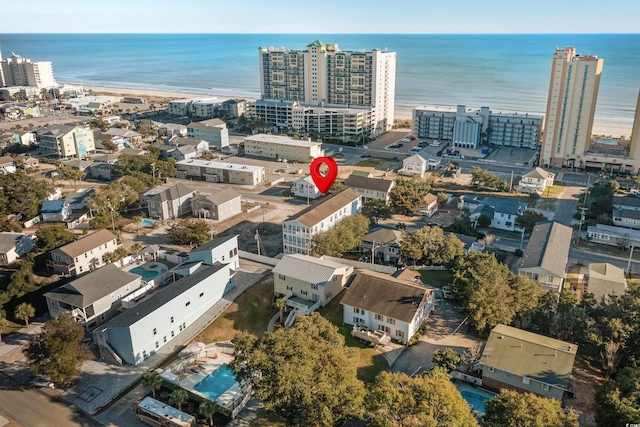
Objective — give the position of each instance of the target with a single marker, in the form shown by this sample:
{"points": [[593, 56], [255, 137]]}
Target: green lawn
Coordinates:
{"points": [[380, 164], [552, 192], [436, 278], [370, 362]]}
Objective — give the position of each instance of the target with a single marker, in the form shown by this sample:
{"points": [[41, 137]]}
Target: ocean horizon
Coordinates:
{"points": [[508, 72]]}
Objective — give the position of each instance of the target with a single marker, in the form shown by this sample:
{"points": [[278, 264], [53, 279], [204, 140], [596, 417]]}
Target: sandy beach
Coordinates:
{"points": [[599, 128]]}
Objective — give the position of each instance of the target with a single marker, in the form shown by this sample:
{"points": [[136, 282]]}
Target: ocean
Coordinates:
{"points": [[504, 72]]}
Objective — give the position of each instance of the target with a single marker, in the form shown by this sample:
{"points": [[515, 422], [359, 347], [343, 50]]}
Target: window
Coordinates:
{"points": [[357, 321], [180, 328], [526, 380], [172, 334], [201, 294], [384, 329], [188, 304], [155, 331], [289, 288], [144, 353], [282, 277], [391, 321], [304, 292], [157, 344], [379, 317], [545, 387], [399, 333], [491, 369], [164, 339], [314, 286], [171, 319]]}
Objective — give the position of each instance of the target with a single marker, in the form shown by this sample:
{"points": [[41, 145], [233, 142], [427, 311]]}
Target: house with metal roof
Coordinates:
{"points": [[82, 255], [545, 257], [214, 131], [371, 188], [165, 202], [95, 297], [55, 210], [298, 230], [605, 280], [395, 306], [218, 206], [526, 362], [14, 245]]}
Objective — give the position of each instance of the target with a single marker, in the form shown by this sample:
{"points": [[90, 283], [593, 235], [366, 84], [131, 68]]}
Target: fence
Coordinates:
{"points": [[32, 222], [429, 267], [258, 258], [466, 378], [357, 264]]}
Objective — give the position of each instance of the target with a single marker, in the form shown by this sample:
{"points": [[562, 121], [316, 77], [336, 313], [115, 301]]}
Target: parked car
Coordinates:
{"points": [[416, 149]]}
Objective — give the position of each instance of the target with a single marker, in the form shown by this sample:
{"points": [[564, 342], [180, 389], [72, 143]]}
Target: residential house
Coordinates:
{"points": [[282, 147], [371, 188], [79, 199], [211, 171], [7, 165], [414, 165], [536, 181], [614, 236], [605, 280], [202, 281], [214, 131], [430, 205], [303, 277], [234, 107], [66, 141], [78, 164], [526, 362], [168, 202], [171, 129], [200, 145], [95, 297], [502, 212], [133, 151], [83, 255], [397, 307], [102, 139], [103, 171], [218, 206], [470, 242], [629, 218], [14, 245], [298, 231], [546, 255], [184, 152], [386, 242], [626, 203], [305, 187], [29, 163], [166, 151], [130, 135], [55, 210]]}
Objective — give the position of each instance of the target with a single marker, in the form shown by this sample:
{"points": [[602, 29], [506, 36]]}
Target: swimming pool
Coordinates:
{"points": [[476, 399], [216, 383], [144, 272], [146, 222]]}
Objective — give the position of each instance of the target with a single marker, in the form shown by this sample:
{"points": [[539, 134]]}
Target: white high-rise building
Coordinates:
{"points": [[19, 71], [324, 76], [571, 106]]}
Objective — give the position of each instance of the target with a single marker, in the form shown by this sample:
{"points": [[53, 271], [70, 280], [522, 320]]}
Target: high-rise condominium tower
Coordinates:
{"points": [[18, 71], [571, 105], [324, 76]]}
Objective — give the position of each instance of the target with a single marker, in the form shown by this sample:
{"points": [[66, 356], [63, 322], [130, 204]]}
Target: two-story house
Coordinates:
{"points": [[95, 297], [545, 257], [395, 306], [371, 188], [218, 206], [502, 212], [168, 202], [200, 145], [305, 187], [526, 362], [214, 131], [626, 211], [536, 181], [414, 165], [83, 255], [298, 230], [384, 243], [430, 205], [309, 278], [14, 245], [55, 210]]}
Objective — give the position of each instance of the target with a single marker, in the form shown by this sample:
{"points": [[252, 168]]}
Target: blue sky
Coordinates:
{"points": [[328, 16]]}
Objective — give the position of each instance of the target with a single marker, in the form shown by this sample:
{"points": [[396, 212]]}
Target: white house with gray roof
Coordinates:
{"points": [[168, 202], [536, 181], [546, 255], [82, 255], [309, 278], [14, 245], [218, 206], [502, 212], [95, 297], [202, 281], [371, 188]]}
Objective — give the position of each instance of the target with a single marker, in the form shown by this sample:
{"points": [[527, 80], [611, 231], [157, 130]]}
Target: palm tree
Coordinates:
{"points": [[154, 381], [136, 220], [207, 408], [280, 304], [24, 312], [178, 397]]}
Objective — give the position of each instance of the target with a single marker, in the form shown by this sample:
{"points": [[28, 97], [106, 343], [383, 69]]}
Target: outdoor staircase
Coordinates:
{"points": [[291, 318]]}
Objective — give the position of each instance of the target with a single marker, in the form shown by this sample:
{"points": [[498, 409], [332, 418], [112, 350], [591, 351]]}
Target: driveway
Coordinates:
{"points": [[445, 328]]}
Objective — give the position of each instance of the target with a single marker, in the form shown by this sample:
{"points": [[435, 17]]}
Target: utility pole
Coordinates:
{"points": [[258, 242], [373, 252], [511, 183], [629, 263], [582, 211]]}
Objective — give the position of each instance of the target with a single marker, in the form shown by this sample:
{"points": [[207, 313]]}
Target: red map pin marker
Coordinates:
{"points": [[324, 182]]}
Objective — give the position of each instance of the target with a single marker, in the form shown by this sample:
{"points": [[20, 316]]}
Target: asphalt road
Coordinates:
{"points": [[31, 408]]}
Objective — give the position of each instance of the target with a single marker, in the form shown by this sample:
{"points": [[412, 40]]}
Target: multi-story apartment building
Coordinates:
{"points": [[571, 106], [67, 141], [19, 71], [324, 76], [213, 131], [83, 255], [282, 147], [468, 127], [220, 172], [298, 231]]}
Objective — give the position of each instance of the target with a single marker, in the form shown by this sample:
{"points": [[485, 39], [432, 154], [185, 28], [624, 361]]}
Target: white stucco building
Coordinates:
{"points": [[18, 71], [282, 147]]}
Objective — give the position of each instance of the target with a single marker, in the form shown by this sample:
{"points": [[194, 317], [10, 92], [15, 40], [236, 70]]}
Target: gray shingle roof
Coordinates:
{"points": [[548, 247], [386, 295], [222, 196], [506, 206], [9, 240], [172, 193], [606, 279], [375, 184], [94, 286], [632, 202], [538, 173], [383, 236], [215, 242], [87, 243], [324, 207], [529, 355], [307, 268], [626, 213]]}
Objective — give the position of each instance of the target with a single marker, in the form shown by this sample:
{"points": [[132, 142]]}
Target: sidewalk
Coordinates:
{"points": [[13, 344]]}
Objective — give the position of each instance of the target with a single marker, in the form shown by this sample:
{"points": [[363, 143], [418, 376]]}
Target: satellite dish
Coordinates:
{"points": [[366, 147], [340, 149]]}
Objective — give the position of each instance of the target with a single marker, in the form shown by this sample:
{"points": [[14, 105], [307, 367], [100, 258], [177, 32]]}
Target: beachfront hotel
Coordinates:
{"points": [[571, 106], [328, 91], [18, 71]]}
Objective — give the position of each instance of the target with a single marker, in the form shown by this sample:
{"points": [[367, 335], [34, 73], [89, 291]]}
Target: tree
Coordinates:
{"points": [[74, 176], [342, 237], [446, 358], [304, 374], [484, 221], [22, 281], [482, 179], [407, 196], [58, 351], [430, 400], [154, 381], [510, 408], [618, 400], [23, 194], [528, 220], [24, 312], [53, 237], [99, 123], [189, 232], [110, 145], [463, 225], [207, 409], [116, 255], [471, 356], [430, 246], [137, 220], [178, 397], [280, 304], [375, 210]]}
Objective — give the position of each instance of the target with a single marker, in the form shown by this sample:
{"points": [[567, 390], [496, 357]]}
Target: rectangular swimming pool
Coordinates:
{"points": [[146, 222], [144, 272], [476, 399], [216, 383]]}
